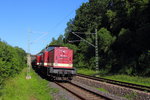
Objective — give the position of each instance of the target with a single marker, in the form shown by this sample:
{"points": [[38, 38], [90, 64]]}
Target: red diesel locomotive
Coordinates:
{"points": [[56, 62]]}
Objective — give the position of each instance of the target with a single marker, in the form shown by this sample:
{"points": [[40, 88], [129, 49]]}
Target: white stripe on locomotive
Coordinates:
{"points": [[58, 64]]}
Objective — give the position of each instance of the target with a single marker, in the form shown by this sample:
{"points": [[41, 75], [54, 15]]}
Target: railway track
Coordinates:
{"points": [[81, 92], [124, 84]]}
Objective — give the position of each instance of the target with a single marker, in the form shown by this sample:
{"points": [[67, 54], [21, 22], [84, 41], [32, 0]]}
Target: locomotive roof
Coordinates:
{"points": [[39, 53], [49, 48], [52, 47]]}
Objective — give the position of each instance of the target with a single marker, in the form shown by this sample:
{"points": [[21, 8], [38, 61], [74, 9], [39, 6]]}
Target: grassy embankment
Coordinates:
{"points": [[86, 71], [19, 88], [124, 78], [131, 79]]}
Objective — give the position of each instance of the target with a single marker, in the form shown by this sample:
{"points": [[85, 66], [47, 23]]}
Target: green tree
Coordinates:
{"points": [[123, 35]]}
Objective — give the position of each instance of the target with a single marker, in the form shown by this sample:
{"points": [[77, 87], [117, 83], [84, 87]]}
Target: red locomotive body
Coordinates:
{"points": [[57, 62], [38, 60], [45, 59], [58, 57]]}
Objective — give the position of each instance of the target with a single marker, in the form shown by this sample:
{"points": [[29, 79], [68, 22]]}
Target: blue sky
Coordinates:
{"points": [[44, 19]]}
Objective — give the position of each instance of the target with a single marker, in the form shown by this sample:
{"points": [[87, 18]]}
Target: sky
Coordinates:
{"points": [[35, 22]]}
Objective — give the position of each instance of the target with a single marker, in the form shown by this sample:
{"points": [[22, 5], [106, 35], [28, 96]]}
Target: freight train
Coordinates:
{"points": [[56, 62]]}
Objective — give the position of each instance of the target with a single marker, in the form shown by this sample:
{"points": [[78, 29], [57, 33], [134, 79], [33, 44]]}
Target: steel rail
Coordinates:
{"points": [[84, 89], [77, 95], [125, 84]]}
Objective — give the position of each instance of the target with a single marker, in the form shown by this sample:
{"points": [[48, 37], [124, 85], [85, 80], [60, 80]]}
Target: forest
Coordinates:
{"points": [[123, 30], [12, 61]]}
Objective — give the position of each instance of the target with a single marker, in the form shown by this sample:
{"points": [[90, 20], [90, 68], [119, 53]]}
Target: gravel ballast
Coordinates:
{"points": [[115, 89], [61, 94]]}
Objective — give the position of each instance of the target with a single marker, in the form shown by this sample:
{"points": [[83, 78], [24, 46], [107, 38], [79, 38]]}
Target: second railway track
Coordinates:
{"points": [[125, 84]]}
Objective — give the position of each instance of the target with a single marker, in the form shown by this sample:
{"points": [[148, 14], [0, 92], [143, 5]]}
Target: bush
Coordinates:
{"points": [[12, 61]]}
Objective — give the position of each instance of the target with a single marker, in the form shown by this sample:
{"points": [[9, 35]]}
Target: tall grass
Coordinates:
{"points": [[19, 88]]}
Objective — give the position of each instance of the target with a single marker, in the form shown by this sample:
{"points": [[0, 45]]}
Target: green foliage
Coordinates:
{"points": [[123, 36], [144, 61], [70, 46], [12, 61], [86, 71], [79, 61], [105, 39], [59, 41]]}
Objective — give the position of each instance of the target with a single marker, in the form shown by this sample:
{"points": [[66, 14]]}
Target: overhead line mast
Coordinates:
{"points": [[95, 46], [96, 51], [28, 59], [29, 53]]}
